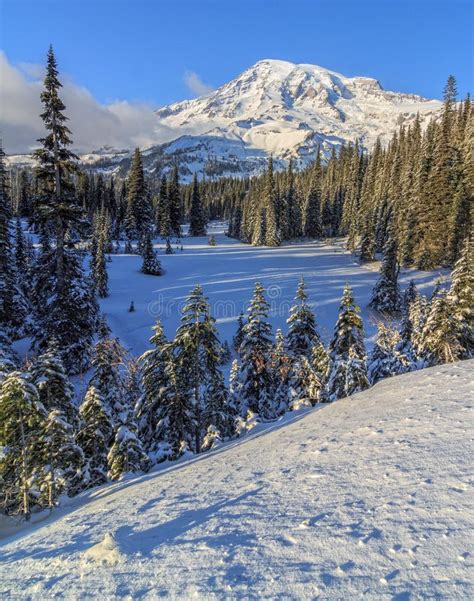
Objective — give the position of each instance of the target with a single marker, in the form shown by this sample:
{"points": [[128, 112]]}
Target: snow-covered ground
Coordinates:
{"points": [[227, 273], [370, 497]]}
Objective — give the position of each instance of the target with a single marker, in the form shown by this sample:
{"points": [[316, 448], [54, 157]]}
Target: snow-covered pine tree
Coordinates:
{"points": [[439, 340], [218, 416], [197, 217], [347, 351], [95, 436], [22, 418], [461, 297], [348, 332], [62, 460], [321, 364], [138, 218], [55, 390], [255, 371], [151, 264], [196, 351], [67, 308], [386, 360], [127, 455], [281, 367], [152, 408], [304, 384], [302, 335], [108, 363], [386, 292]]}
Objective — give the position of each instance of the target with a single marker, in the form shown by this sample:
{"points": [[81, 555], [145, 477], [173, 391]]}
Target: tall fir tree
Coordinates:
{"points": [[174, 203], [196, 352], [151, 264], [70, 311], [153, 408], [62, 460], [138, 218], [95, 436], [461, 297], [386, 360], [197, 218], [54, 388], [312, 216], [439, 339], [22, 418], [347, 350], [386, 292], [256, 385], [272, 233], [302, 334]]}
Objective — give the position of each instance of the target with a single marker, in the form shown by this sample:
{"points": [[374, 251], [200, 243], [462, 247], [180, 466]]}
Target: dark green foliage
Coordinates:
{"points": [[151, 264], [197, 218], [386, 293]]}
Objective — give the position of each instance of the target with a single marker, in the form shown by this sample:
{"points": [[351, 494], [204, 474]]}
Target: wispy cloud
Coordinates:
{"points": [[195, 84], [120, 124]]}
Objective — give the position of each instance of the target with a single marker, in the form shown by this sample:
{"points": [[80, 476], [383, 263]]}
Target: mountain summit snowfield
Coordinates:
{"points": [[369, 496]]}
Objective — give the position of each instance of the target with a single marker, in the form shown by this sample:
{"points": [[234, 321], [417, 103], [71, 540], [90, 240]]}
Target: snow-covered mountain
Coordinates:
{"points": [[274, 107], [370, 497], [288, 110]]}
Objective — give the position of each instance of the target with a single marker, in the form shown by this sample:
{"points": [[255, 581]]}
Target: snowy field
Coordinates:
{"points": [[227, 273], [368, 497]]}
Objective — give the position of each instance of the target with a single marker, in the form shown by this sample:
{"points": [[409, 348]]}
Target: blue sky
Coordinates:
{"points": [[159, 51]]}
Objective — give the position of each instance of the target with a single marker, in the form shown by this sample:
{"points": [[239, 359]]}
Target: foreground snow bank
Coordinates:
{"points": [[368, 496]]}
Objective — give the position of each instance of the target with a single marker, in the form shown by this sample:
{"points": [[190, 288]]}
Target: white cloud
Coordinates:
{"points": [[195, 84], [120, 124]]}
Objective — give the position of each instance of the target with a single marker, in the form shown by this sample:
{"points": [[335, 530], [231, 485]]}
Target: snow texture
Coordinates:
{"points": [[228, 272], [369, 496]]}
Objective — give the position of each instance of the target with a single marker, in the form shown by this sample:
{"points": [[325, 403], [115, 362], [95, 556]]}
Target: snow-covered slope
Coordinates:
{"points": [[368, 497], [274, 107]]}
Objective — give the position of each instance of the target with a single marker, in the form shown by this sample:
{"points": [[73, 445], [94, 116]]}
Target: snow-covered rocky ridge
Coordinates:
{"points": [[274, 107], [369, 496]]}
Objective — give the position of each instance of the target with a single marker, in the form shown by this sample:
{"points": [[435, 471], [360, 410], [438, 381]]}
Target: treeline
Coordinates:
{"points": [[173, 400], [418, 190]]}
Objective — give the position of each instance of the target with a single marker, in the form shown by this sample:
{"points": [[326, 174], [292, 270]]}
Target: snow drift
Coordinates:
{"points": [[368, 496]]}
